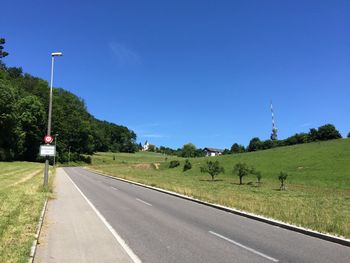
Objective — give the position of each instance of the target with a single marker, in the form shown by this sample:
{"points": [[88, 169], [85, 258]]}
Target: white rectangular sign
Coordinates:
{"points": [[47, 150]]}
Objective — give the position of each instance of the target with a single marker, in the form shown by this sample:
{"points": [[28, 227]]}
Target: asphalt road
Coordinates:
{"points": [[163, 228]]}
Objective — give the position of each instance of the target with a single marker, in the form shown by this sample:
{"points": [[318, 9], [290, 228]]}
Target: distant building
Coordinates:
{"points": [[213, 151], [145, 147]]}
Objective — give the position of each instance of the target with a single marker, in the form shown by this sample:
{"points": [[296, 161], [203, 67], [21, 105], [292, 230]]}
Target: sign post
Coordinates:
{"points": [[47, 150], [48, 139]]}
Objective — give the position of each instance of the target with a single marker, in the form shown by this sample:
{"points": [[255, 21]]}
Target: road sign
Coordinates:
{"points": [[47, 150], [48, 139]]}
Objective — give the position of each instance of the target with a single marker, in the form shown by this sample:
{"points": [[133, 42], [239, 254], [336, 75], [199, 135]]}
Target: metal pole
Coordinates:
{"points": [[68, 155], [46, 172], [54, 157]]}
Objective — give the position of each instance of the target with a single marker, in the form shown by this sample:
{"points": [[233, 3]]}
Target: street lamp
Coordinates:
{"points": [[54, 157], [46, 173]]}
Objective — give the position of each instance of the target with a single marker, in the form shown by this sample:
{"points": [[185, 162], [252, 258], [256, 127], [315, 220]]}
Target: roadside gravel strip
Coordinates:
{"points": [[309, 232]]}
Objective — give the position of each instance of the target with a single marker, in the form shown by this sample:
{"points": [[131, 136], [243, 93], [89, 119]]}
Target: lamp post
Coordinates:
{"points": [[54, 157], [46, 172]]}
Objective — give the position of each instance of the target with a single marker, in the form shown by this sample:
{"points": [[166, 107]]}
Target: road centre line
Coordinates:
{"points": [[245, 247], [127, 249], [143, 202]]}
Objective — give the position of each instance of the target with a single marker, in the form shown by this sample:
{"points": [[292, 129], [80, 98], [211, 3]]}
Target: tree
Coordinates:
{"points": [[313, 135], [212, 168], [151, 148], [226, 151], [328, 132], [349, 135], [237, 148], [241, 170], [282, 177], [31, 127], [258, 176], [268, 144], [2, 53], [188, 150], [255, 145], [8, 121]]}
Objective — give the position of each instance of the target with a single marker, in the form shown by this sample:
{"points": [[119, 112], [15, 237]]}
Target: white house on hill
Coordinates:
{"points": [[213, 151], [145, 147]]}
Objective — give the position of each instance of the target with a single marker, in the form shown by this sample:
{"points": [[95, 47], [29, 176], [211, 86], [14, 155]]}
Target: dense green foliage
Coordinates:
{"points": [[24, 103], [237, 148], [2, 52]]}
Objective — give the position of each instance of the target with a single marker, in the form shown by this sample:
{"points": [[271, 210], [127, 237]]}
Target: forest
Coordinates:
{"points": [[24, 101]]}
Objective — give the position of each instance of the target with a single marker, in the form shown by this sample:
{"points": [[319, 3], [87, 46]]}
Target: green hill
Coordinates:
{"points": [[318, 186]]}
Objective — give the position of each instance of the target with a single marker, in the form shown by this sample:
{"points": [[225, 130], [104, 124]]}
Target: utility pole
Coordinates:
{"points": [[46, 172]]}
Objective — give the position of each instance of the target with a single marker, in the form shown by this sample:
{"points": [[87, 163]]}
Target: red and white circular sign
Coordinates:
{"points": [[48, 139]]}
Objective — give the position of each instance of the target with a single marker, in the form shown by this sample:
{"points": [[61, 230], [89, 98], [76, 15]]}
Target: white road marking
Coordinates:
{"points": [[143, 202], [127, 249], [245, 247], [115, 188]]}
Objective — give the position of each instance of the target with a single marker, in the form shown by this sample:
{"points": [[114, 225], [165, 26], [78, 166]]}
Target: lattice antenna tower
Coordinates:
{"points": [[274, 129]]}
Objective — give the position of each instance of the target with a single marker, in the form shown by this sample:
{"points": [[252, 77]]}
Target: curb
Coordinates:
{"points": [[270, 221], [37, 234]]}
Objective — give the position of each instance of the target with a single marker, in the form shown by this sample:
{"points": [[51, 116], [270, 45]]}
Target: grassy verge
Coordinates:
{"points": [[318, 185], [21, 200]]}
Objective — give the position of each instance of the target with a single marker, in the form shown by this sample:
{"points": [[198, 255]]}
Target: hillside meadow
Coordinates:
{"points": [[21, 200], [318, 185]]}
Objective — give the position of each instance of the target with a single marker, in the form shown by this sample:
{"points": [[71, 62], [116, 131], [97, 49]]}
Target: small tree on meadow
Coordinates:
{"points": [[187, 165], [241, 170], [212, 168], [349, 135], [283, 177], [258, 176]]}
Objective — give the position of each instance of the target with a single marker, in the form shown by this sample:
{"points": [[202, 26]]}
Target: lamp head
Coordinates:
{"points": [[56, 54]]}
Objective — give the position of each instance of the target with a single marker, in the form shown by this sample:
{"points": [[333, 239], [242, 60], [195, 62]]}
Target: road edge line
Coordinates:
{"points": [[121, 241], [270, 221], [252, 250], [37, 234]]}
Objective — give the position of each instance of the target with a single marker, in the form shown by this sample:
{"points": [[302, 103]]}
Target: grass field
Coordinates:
{"points": [[21, 200], [318, 186]]}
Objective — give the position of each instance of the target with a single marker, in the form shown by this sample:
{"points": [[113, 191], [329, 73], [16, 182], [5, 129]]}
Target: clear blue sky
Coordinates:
{"points": [[192, 71]]}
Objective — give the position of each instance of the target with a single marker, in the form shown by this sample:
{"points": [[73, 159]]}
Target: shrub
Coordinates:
{"points": [[349, 135], [174, 164], [187, 165]]}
